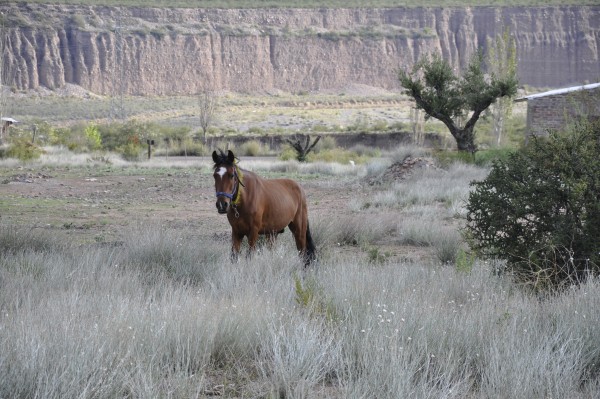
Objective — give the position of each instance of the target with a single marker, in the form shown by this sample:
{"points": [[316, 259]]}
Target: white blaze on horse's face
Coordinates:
{"points": [[221, 172], [224, 187]]}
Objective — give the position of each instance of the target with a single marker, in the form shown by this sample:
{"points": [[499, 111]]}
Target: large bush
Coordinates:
{"points": [[540, 209], [22, 149]]}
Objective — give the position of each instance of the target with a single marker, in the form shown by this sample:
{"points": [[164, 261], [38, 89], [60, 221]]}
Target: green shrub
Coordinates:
{"points": [[287, 154], [380, 125], [44, 132], [92, 134], [77, 21], [540, 210], [326, 143], [251, 148], [195, 148], [23, 150], [480, 158], [130, 151], [116, 136], [399, 127]]}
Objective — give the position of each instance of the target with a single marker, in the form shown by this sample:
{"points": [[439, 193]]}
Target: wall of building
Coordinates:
{"points": [[554, 112]]}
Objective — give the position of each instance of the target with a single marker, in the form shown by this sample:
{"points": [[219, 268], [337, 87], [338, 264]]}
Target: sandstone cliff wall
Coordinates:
{"points": [[150, 51]]}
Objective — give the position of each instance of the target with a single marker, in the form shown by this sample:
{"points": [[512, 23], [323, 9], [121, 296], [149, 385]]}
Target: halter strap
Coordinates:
{"points": [[234, 193]]}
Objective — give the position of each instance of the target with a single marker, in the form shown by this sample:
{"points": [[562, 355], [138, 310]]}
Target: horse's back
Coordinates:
{"points": [[280, 202], [285, 194]]}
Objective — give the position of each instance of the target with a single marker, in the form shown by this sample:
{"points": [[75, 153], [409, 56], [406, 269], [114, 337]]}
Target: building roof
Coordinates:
{"points": [[11, 120], [559, 91]]}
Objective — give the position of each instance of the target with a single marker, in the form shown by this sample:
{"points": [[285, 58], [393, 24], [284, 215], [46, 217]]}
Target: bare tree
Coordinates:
{"points": [[207, 106], [302, 149], [502, 61]]}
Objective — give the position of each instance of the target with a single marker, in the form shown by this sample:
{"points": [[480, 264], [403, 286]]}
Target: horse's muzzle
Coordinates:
{"points": [[222, 206]]}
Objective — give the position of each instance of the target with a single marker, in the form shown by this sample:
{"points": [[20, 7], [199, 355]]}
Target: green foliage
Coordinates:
{"points": [[451, 98], [77, 21], [326, 143], [117, 135], [186, 147], [464, 261], [130, 151], [93, 137], [310, 296], [287, 154], [178, 133], [377, 256], [44, 132], [251, 148], [22, 149], [480, 158], [305, 296], [540, 209], [380, 125], [79, 137]]}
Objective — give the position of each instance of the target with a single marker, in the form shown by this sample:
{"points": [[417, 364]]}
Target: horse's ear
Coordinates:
{"points": [[215, 157], [230, 157]]}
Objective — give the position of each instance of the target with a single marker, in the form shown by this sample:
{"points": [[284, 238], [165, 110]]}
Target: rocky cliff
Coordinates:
{"points": [[151, 51]]}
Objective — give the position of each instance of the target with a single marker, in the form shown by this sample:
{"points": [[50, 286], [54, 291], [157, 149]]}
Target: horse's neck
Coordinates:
{"points": [[246, 187]]}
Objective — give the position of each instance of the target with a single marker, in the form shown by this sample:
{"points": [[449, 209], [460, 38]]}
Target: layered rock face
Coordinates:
{"points": [[151, 51]]}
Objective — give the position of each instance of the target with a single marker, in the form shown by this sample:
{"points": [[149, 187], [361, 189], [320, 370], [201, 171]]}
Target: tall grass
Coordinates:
{"points": [[88, 322], [429, 186], [161, 312]]}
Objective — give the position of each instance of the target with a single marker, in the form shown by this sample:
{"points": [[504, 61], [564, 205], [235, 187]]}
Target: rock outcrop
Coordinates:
{"points": [[152, 51]]}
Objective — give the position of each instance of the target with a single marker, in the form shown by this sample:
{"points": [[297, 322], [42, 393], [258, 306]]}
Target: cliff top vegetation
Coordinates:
{"points": [[316, 3]]}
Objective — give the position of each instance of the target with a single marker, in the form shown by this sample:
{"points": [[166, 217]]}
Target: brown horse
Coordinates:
{"points": [[259, 206]]}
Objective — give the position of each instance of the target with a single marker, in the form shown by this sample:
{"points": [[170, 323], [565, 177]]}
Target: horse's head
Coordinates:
{"points": [[227, 180]]}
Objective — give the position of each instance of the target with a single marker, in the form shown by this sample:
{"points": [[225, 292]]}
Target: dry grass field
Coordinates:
{"points": [[115, 281]]}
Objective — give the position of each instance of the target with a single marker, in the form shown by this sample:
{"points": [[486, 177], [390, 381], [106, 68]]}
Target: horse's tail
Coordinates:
{"points": [[311, 251]]}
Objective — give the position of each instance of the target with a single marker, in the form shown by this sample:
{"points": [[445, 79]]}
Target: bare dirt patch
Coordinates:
{"points": [[101, 204]]}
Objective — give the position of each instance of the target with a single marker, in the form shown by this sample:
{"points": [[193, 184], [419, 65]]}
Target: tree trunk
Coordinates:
{"points": [[465, 139]]}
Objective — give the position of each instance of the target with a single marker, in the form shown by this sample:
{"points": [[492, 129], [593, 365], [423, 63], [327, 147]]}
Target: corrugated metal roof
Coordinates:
{"points": [[559, 91]]}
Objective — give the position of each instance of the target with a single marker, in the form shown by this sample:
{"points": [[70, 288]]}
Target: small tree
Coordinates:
{"points": [[449, 98], [540, 209], [207, 107]]}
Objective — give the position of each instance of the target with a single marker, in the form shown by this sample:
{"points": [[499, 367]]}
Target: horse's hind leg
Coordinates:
{"points": [[298, 229]]}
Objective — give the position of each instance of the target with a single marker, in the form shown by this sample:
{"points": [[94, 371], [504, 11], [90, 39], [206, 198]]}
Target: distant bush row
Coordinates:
{"points": [[131, 139]]}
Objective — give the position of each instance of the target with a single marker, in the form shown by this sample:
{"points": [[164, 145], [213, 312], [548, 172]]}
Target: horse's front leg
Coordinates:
{"points": [[252, 239], [236, 245]]}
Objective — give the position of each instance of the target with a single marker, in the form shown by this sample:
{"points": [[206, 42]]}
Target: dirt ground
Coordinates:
{"points": [[101, 204]]}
